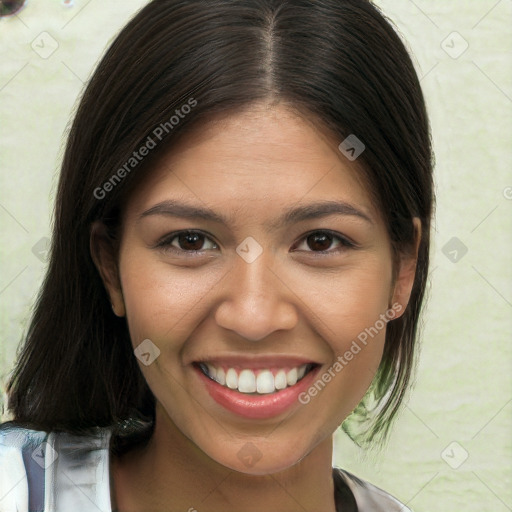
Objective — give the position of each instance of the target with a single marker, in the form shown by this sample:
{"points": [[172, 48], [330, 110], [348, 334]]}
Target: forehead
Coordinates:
{"points": [[254, 163]]}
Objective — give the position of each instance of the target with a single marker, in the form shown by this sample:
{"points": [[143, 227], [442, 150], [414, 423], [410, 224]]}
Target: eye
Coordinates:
{"points": [[323, 242], [187, 242], [191, 242]]}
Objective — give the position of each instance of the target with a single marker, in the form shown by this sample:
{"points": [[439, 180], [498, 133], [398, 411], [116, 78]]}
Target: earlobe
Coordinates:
{"points": [[104, 257], [406, 273], [115, 312]]}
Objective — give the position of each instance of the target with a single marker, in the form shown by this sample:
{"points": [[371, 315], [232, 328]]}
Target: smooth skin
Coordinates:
{"points": [[308, 294]]}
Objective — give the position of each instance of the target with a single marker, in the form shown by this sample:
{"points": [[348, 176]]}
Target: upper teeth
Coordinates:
{"points": [[248, 381]]}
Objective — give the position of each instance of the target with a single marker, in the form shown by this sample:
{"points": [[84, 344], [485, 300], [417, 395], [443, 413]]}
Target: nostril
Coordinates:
{"points": [[9, 7]]}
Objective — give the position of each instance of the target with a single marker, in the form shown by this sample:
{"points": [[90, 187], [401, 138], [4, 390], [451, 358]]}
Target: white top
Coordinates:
{"points": [[60, 472]]}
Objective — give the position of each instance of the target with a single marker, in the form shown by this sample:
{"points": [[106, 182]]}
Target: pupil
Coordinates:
{"points": [[319, 242], [191, 241]]}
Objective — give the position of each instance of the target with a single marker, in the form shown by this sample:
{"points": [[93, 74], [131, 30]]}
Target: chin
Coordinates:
{"points": [[259, 457]]}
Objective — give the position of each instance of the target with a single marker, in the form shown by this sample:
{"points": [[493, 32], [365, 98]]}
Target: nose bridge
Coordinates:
{"points": [[255, 302], [255, 286]]}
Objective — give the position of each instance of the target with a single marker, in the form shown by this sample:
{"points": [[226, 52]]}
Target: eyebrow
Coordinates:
{"points": [[293, 215]]}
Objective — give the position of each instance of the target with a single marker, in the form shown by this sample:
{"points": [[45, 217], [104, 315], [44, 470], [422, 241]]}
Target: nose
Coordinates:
{"points": [[255, 301]]}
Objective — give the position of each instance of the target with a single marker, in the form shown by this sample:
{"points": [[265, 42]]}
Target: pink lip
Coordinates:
{"points": [[257, 407]]}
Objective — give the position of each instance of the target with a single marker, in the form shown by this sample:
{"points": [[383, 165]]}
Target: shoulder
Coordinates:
{"points": [[13, 477], [16, 438], [368, 497], [13, 435], [35, 464]]}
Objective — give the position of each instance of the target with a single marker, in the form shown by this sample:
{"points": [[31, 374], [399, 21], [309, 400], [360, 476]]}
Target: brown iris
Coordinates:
{"points": [[319, 241]]}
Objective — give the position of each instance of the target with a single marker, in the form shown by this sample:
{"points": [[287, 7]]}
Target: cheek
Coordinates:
{"points": [[348, 310], [161, 302], [346, 302]]}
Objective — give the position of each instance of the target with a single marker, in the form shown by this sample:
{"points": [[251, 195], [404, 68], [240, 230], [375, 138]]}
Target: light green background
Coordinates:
{"points": [[464, 381]]}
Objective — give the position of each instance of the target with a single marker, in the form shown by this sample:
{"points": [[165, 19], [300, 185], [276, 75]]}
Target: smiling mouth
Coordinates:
{"points": [[255, 382]]}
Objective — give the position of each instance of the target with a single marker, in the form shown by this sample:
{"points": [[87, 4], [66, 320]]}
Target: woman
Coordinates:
{"points": [[238, 262]]}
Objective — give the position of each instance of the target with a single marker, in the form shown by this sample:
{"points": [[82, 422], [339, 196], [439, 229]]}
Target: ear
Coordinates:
{"points": [[406, 272], [104, 256]]}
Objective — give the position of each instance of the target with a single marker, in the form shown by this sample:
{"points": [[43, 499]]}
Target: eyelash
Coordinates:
{"points": [[344, 243]]}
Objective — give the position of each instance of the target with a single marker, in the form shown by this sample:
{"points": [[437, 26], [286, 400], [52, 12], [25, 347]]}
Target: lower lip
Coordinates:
{"points": [[253, 406]]}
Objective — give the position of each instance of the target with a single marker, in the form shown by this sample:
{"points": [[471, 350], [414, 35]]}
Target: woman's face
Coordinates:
{"points": [[286, 269]]}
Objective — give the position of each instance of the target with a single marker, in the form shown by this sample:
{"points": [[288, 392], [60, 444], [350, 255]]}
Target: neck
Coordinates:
{"points": [[172, 474]]}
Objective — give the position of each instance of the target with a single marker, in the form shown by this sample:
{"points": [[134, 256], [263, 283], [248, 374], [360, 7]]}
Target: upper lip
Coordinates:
{"points": [[257, 362]]}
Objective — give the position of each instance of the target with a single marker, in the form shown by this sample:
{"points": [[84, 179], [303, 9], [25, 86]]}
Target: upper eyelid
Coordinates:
{"points": [[345, 240], [167, 239]]}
